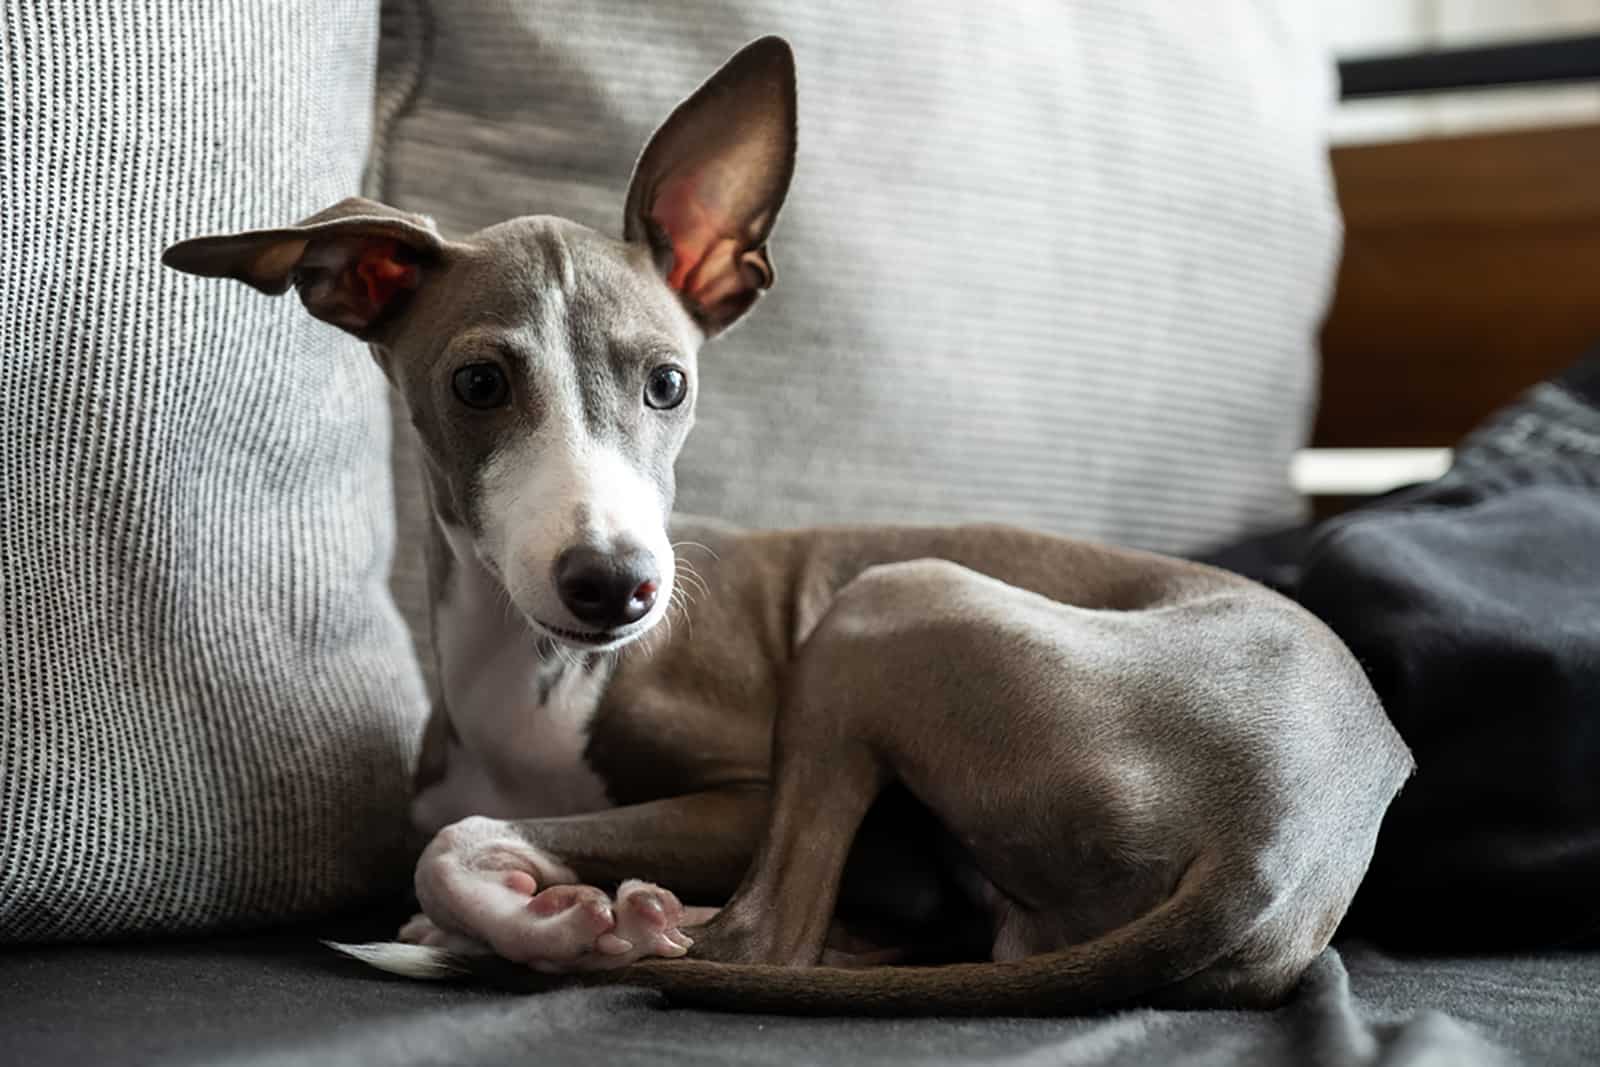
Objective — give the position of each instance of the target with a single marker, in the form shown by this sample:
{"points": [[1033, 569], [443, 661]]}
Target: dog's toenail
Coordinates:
{"points": [[612, 945]]}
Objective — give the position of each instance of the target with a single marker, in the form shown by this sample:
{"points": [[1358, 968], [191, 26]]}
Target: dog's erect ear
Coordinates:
{"points": [[707, 189], [353, 264]]}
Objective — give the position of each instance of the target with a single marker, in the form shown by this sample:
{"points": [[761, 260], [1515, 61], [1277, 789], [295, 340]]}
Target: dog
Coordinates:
{"points": [[1061, 776]]}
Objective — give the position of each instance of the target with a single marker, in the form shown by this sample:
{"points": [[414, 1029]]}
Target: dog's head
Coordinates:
{"points": [[549, 369]]}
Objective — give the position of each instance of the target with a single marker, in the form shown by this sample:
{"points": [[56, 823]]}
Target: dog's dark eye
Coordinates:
{"points": [[666, 388], [481, 385]]}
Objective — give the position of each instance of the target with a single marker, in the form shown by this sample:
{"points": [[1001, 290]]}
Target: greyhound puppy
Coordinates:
{"points": [[1096, 776]]}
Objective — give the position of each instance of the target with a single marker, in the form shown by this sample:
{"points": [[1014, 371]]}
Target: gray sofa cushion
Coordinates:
{"points": [[1060, 267], [207, 700]]}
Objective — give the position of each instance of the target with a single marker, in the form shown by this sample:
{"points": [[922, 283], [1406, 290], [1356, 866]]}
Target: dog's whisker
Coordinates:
{"points": [[707, 549], [692, 576], [682, 579], [686, 587], [663, 632], [680, 604], [508, 606], [685, 560], [686, 593]]}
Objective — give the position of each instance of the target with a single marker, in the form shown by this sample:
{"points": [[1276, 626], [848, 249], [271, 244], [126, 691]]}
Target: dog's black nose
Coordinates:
{"points": [[607, 589]]}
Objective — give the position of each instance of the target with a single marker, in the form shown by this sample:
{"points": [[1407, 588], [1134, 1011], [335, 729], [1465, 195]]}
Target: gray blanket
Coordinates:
{"points": [[286, 1000]]}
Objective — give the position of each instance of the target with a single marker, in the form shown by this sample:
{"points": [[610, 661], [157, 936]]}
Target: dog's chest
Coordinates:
{"points": [[520, 720]]}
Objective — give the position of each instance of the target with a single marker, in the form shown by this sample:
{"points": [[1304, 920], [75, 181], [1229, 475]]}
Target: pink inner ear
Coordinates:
{"points": [[704, 260], [383, 275]]}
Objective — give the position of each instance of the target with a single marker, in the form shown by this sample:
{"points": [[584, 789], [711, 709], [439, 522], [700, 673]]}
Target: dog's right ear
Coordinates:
{"points": [[353, 265]]}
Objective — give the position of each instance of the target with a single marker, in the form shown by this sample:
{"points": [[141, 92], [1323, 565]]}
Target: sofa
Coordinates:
{"points": [[1058, 265]]}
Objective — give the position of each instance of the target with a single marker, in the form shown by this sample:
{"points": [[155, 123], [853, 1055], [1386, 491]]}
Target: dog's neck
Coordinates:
{"points": [[519, 706]]}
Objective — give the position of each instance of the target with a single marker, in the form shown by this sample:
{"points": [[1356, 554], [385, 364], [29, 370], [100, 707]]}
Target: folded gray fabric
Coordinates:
{"points": [[207, 699], [1471, 603], [1059, 266]]}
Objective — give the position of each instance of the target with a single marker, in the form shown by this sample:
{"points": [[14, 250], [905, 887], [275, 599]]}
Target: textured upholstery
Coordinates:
{"points": [[1056, 264], [282, 1002], [207, 700]]}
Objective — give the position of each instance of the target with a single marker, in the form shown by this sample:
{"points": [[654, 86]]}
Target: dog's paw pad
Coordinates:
{"points": [[520, 882]]}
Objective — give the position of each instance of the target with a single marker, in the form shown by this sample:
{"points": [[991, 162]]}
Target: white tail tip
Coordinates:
{"points": [[409, 961]]}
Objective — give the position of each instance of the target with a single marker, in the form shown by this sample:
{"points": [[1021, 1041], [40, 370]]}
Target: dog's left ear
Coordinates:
{"points": [[707, 189]]}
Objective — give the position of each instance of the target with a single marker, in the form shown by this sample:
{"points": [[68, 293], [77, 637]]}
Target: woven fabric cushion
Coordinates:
{"points": [[1060, 265], [207, 700]]}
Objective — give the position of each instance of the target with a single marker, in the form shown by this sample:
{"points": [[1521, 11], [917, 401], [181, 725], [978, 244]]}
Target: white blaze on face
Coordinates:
{"points": [[557, 490]]}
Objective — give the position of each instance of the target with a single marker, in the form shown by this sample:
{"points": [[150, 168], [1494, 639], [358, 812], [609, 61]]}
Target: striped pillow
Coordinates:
{"points": [[208, 704]]}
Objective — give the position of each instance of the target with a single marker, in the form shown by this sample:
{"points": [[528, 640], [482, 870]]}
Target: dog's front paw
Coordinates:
{"points": [[570, 929], [475, 881], [480, 883], [579, 929], [649, 921]]}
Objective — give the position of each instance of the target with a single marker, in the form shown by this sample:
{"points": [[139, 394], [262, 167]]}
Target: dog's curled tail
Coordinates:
{"points": [[1201, 923]]}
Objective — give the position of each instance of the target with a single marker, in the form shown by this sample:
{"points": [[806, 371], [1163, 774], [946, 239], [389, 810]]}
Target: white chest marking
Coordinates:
{"points": [[521, 721]]}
